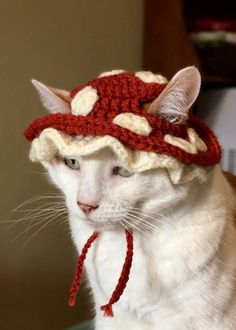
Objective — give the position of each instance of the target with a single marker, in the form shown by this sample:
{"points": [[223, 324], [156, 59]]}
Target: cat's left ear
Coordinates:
{"points": [[178, 96], [53, 99]]}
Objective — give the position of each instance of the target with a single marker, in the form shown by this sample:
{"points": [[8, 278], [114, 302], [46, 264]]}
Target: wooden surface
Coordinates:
{"points": [[167, 47]]}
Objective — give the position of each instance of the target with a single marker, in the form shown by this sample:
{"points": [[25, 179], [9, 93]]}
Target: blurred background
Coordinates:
{"points": [[64, 43]]}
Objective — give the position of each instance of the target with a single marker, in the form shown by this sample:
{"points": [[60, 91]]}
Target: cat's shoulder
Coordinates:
{"points": [[232, 181]]}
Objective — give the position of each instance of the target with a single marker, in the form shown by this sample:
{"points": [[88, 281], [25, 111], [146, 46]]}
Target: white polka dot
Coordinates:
{"points": [[84, 101], [110, 73], [149, 77], [192, 146], [134, 123]]}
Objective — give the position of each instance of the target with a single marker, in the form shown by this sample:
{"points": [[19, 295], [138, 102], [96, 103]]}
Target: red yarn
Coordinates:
{"points": [[79, 270], [124, 277], [127, 93]]}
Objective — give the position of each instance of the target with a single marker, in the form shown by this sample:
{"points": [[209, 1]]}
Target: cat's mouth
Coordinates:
{"points": [[109, 218]]}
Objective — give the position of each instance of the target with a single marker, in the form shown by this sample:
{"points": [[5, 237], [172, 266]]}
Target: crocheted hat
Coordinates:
{"points": [[111, 111], [124, 111]]}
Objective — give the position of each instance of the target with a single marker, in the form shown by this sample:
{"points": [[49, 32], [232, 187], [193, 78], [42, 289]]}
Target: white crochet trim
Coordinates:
{"points": [[52, 142], [84, 101], [149, 77], [192, 146], [110, 73], [134, 123]]}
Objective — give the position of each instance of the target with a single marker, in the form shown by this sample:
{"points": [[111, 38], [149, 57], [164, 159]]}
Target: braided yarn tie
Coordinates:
{"points": [[123, 279], [79, 269]]}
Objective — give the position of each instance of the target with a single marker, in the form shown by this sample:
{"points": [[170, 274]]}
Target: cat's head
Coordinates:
{"points": [[101, 192], [105, 172]]}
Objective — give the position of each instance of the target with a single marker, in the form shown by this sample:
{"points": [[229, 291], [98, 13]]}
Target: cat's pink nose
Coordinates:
{"points": [[87, 208]]}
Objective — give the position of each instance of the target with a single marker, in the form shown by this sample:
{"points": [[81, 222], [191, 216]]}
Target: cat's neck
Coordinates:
{"points": [[212, 199]]}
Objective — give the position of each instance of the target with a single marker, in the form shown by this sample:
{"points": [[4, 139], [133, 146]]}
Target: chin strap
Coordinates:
{"points": [[123, 279], [79, 269]]}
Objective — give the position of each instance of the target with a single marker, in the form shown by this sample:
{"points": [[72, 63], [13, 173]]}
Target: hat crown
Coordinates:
{"points": [[114, 92]]}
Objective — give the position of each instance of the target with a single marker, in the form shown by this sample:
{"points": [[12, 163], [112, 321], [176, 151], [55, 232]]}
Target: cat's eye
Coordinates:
{"points": [[72, 163], [121, 171]]}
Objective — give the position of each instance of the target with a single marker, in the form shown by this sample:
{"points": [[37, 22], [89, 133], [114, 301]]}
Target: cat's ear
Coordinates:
{"points": [[54, 100], [176, 99]]}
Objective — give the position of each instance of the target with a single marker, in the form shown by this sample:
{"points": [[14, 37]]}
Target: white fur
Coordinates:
{"points": [[184, 269]]}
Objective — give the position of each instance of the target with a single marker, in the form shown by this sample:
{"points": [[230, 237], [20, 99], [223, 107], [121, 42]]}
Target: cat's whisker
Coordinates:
{"points": [[26, 230], [64, 221], [59, 220], [135, 226], [51, 222], [33, 216], [128, 225], [168, 224], [43, 207], [123, 225], [144, 224], [149, 211], [47, 214], [51, 217], [32, 200], [39, 230], [39, 172], [39, 207], [156, 220], [37, 211], [150, 227], [37, 198]]}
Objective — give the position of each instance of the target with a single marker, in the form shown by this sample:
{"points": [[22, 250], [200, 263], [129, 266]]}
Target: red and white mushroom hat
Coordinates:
{"points": [[140, 116]]}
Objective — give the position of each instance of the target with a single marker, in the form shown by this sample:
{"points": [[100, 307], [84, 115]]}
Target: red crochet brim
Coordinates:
{"points": [[81, 125]]}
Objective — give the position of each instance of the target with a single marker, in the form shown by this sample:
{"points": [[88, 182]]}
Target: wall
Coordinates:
{"points": [[62, 43], [216, 106]]}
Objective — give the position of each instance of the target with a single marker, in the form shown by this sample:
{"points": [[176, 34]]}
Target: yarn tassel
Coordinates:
{"points": [[124, 277], [79, 269], [108, 311]]}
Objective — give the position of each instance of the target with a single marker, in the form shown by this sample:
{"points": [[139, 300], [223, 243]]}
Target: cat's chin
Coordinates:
{"points": [[102, 226]]}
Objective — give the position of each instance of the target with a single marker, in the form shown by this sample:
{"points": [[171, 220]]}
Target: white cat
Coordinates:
{"points": [[183, 274]]}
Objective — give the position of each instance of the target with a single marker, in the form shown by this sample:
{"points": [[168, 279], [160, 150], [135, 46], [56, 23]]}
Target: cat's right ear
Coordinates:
{"points": [[175, 100], [54, 100]]}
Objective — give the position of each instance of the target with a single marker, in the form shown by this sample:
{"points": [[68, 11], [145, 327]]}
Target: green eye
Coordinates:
{"points": [[72, 163], [121, 171]]}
